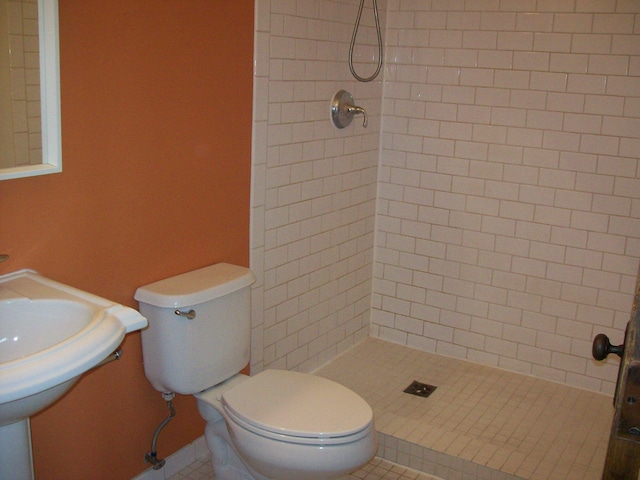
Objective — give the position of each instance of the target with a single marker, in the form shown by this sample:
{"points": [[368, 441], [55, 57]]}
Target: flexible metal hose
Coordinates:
{"points": [[151, 457], [353, 42]]}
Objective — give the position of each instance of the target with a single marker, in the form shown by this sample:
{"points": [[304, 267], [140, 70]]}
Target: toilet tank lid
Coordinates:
{"points": [[197, 286]]}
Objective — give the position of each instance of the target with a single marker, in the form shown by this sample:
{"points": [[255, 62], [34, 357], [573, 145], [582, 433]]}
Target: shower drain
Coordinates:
{"points": [[420, 389]]}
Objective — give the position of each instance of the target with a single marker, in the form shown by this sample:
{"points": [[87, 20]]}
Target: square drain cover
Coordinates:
{"points": [[420, 389]]}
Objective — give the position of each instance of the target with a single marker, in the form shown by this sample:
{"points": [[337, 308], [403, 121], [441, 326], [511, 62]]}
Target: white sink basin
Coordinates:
{"points": [[50, 334], [30, 326]]}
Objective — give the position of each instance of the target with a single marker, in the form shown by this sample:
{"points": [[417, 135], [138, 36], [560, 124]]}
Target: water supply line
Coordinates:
{"points": [[353, 42], [152, 457]]}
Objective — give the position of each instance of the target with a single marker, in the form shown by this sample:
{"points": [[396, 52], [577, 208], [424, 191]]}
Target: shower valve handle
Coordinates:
{"points": [[343, 109], [602, 347], [353, 110]]}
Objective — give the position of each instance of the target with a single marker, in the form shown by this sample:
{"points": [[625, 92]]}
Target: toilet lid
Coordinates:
{"points": [[297, 404]]}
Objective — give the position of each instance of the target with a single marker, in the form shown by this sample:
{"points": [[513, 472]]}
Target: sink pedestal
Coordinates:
{"points": [[16, 462]]}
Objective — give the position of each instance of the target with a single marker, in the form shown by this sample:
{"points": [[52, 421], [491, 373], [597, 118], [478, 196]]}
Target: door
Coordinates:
{"points": [[623, 455]]}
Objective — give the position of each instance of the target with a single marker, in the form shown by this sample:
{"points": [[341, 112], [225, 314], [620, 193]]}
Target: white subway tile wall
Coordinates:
{"points": [[502, 155], [508, 229], [314, 186]]}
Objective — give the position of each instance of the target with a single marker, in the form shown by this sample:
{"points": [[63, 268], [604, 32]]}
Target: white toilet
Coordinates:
{"points": [[277, 424]]}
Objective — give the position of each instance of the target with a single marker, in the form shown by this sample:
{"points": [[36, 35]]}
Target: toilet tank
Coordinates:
{"points": [[185, 355]]}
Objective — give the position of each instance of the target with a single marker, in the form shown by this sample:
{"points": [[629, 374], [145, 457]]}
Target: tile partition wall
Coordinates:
{"points": [[314, 186], [507, 230]]}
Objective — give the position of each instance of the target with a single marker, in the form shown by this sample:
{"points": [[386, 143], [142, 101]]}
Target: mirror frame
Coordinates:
{"points": [[49, 96]]}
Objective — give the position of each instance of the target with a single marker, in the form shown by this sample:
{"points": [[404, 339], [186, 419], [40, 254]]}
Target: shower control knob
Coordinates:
{"points": [[602, 347], [343, 109]]}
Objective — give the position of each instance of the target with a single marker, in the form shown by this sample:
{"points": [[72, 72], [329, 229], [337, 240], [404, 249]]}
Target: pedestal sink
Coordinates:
{"points": [[50, 334]]}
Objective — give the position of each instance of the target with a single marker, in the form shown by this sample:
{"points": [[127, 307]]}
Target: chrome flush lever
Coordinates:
{"points": [[343, 109], [190, 315]]}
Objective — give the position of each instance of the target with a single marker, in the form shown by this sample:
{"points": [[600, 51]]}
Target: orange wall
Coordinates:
{"points": [[156, 126]]}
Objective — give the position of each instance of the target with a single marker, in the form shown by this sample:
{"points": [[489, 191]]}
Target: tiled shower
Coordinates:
{"points": [[488, 212]]}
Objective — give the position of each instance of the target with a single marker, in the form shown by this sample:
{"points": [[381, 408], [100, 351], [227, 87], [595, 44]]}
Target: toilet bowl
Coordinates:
{"points": [[276, 424], [287, 425]]}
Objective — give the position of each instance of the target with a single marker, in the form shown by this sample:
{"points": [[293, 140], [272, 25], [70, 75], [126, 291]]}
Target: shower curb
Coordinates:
{"points": [[432, 462]]}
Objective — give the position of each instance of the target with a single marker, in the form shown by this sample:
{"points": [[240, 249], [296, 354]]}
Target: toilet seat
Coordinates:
{"points": [[298, 408]]}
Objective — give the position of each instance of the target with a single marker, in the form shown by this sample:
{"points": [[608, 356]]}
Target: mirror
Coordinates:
{"points": [[22, 133]]}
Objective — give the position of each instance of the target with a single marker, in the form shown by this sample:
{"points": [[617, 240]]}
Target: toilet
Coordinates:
{"points": [[277, 424]]}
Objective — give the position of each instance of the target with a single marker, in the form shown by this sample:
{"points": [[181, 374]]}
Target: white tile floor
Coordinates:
{"points": [[481, 423], [377, 469]]}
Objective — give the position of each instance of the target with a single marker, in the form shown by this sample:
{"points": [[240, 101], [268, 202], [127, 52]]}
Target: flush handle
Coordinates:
{"points": [[190, 315], [602, 347]]}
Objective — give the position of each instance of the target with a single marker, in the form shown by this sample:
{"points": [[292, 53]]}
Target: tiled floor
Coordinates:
{"points": [[377, 469], [481, 423]]}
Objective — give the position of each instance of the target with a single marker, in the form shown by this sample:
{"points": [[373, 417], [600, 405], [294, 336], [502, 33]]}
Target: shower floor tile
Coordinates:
{"points": [[480, 422]]}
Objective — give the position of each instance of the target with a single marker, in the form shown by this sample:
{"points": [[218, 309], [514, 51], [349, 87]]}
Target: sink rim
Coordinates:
{"points": [[58, 363], [71, 357]]}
